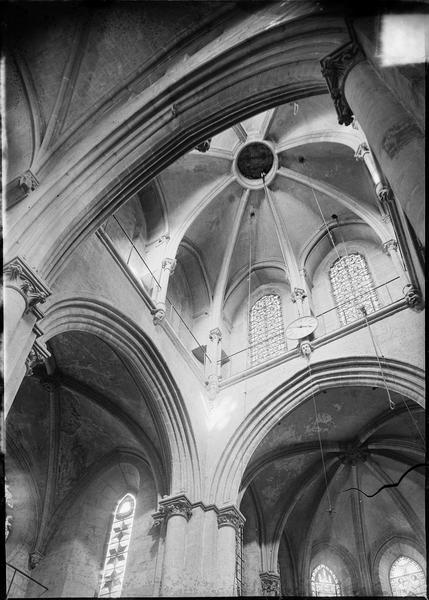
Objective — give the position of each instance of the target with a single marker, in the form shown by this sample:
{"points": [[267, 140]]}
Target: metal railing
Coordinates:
{"points": [[239, 360], [11, 582], [135, 261]]}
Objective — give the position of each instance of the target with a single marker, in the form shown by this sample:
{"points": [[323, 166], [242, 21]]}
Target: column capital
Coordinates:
{"points": [[159, 313], [215, 335], [361, 150], [21, 277], [390, 246], [305, 348], [28, 182], [270, 583], [298, 294], [169, 264], [413, 297], [176, 505], [386, 199], [335, 68], [34, 558], [230, 516], [204, 146]]}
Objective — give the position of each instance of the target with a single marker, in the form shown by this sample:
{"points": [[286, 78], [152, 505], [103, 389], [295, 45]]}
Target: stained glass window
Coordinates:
{"points": [[266, 330], [324, 582], [407, 578], [117, 550], [352, 287]]}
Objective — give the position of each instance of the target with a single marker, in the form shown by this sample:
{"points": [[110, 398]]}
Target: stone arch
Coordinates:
{"points": [[404, 545], [168, 408], [344, 556], [399, 377], [272, 65]]}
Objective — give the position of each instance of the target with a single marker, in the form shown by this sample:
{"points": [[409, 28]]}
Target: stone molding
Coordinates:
{"points": [[28, 182], [335, 68], [270, 583], [361, 150], [230, 516], [204, 146], [215, 335], [169, 507], [34, 558], [169, 264], [298, 294], [413, 297], [158, 313], [305, 348], [390, 246], [21, 277]]}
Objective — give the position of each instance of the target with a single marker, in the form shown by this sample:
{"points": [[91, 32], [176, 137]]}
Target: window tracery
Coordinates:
{"points": [[266, 329], [117, 549], [407, 578], [324, 582], [352, 288]]}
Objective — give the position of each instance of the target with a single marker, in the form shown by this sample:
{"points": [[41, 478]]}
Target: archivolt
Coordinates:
{"points": [[400, 377], [180, 459]]}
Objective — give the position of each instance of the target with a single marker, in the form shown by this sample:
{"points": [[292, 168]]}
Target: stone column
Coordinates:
{"points": [[270, 584], [229, 520], [212, 365], [394, 138], [168, 266], [413, 278], [23, 292], [175, 512]]}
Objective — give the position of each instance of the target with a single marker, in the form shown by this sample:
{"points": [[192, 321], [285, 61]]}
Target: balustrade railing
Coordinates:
{"points": [[239, 360]]}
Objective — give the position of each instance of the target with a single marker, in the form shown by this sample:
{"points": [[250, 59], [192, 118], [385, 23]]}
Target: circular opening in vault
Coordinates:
{"points": [[254, 159]]}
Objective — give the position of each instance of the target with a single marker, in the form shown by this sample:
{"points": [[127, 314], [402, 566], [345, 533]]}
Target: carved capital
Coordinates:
{"points": [[230, 517], [390, 246], [298, 294], [270, 584], [413, 297], [158, 314], [215, 335], [169, 264], [204, 146], [34, 558], [28, 182], [335, 68], [178, 505], [361, 150], [19, 276], [164, 239], [305, 348]]}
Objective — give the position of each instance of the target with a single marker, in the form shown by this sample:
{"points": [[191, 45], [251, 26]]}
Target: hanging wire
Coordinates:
{"points": [[363, 310], [330, 509]]}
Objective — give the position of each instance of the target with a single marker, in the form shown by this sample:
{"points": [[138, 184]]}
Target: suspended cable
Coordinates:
{"points": [[387, 485], [330, 509]]}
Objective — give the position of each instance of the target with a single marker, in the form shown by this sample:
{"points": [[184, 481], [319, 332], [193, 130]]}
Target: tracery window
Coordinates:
{"points": [[324, 582], [117, 549], [352, 287], [266, 329], [407, 578]]}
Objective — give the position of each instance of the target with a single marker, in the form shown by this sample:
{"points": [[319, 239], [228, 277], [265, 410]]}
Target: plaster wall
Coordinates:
{"points": [[74, 559]]}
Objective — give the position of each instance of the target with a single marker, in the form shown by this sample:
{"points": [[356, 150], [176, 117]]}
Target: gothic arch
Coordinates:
{"points": [[144, 136], [399, 377], [150, 371]]}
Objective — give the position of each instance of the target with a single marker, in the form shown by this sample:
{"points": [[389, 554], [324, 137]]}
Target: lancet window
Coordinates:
{"points": [[117, 549], [324, 582], [352, 288], [407, 578], [266, 329]]}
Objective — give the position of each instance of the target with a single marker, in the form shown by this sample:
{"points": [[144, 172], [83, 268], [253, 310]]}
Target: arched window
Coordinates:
{"points": [[352, 287], [407, 578], [266, 329], [324, 582], [117, 549]]}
